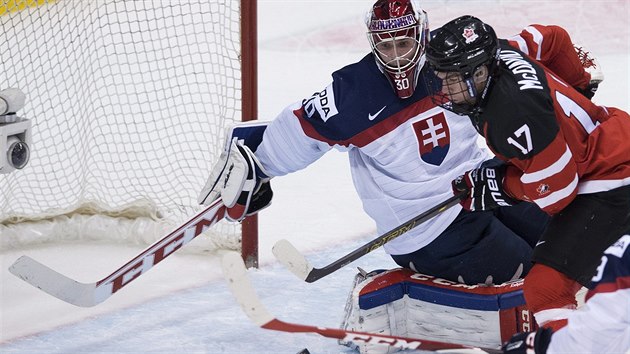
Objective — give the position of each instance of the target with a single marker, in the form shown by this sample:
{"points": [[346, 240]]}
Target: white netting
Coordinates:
{"points": [[129, 102]]}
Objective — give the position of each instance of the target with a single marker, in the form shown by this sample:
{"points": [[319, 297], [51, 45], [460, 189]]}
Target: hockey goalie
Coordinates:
{"points": [[404, 303], [404, 151]]}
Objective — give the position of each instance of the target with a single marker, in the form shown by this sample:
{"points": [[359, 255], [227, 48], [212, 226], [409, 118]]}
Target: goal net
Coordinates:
{"points": [[129, 102]]}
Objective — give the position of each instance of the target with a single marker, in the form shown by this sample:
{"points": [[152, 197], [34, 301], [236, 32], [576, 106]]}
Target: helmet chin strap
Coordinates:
{"points": [[471, 88], [469, 105]]}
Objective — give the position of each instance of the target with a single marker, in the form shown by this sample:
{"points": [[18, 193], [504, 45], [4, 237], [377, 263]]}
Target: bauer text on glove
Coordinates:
{"points": [[485, 189]]}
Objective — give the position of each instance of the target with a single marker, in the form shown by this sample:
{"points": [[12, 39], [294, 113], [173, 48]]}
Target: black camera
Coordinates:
{"points": [[15, 132]]}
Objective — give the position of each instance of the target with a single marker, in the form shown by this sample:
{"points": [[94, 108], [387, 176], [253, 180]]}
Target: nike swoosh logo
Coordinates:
{"points": [[372, 117], [540, 243]]}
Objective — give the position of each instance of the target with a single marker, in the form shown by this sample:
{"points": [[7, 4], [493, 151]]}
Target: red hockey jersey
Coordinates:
{"points": [[556, 141]]}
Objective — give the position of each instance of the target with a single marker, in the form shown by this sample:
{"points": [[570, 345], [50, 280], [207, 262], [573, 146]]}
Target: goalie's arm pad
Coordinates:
{"points": [[240, 181]]}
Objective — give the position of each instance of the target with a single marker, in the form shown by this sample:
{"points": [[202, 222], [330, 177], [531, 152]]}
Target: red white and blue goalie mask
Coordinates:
{"points": [[398, 31]]}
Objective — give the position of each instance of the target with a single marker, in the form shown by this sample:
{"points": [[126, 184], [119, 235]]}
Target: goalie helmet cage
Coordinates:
{"points": [[129, 102]]}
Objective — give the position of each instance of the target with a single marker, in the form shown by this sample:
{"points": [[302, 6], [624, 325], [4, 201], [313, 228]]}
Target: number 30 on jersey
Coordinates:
{"points": [[402, 84]]}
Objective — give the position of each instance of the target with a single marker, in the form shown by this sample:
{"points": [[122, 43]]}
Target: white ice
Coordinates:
{"points": [[183, 305]]}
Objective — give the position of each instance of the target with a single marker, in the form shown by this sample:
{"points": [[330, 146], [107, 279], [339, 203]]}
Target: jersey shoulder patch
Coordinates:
{"points": [[358, 98], [321, 105]]}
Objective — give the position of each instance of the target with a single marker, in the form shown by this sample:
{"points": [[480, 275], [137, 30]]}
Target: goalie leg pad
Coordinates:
{"points": [[401, 302], [376, 320]]}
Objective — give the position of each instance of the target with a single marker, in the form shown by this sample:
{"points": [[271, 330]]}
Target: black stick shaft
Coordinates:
{"points": [[318, 273]]}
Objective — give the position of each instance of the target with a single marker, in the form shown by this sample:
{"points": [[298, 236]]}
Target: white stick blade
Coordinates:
{"points": [[288, 255], [54, 283], [236, 276]]}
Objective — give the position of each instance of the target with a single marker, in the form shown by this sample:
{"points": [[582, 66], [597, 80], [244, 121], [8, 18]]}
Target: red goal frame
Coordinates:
{"points": [[249, 109]]}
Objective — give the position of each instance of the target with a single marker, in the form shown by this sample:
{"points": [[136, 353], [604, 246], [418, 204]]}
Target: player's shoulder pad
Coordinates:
{"points": [[619, 256], [349, 105], [621, 248], [325, 104], [614, 265]]}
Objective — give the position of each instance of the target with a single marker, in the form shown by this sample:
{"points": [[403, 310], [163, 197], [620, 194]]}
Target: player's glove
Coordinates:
{"points": [[485, 189], [240, 181], [529, 342]]}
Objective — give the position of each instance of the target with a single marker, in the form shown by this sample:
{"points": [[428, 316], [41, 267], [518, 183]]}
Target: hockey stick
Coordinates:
{"points": [[242, 289], [295, 261], [90, 294]]}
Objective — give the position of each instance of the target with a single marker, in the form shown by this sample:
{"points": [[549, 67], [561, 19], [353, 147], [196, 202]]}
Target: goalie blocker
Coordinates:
{"points": [[400, 302]]}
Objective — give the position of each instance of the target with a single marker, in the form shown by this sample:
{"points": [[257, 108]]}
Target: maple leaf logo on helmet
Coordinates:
{"points": [[469, 34]]}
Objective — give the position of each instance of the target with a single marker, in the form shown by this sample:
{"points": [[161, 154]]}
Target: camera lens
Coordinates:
{"points": [[18, 153]]}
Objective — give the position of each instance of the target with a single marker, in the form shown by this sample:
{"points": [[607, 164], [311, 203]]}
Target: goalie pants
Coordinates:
{"points": [[482, 247]]}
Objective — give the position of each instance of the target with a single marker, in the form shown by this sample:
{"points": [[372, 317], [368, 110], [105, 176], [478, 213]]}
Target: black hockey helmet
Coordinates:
{"points": [[462, 46]]}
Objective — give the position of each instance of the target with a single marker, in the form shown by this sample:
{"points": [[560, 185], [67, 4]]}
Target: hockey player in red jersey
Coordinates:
{"points": [[561, 151]]}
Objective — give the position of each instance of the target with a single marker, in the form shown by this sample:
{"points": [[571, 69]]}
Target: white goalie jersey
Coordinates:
{"points": [[403, 154]]}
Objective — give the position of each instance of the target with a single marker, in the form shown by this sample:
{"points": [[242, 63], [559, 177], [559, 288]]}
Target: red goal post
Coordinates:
{"points": [[249, 78], [129, 103]]}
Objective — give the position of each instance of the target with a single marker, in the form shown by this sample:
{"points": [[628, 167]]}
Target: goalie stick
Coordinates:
{"points": [[242, 289], [91, 294], [295, 261]]}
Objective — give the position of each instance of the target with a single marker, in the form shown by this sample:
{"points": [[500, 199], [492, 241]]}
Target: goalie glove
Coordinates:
{"points": [[529, 342], [485, 189], [240, 181]]}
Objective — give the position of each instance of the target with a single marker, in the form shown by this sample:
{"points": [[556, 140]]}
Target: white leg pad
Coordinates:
{"points": [[401, 302]]}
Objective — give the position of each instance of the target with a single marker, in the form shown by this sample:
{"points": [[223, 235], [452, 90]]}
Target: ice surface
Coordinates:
{"points": [[183, 305]]}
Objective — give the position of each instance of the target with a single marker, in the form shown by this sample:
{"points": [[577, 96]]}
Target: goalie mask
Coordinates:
{"points": [[398, 32]]}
